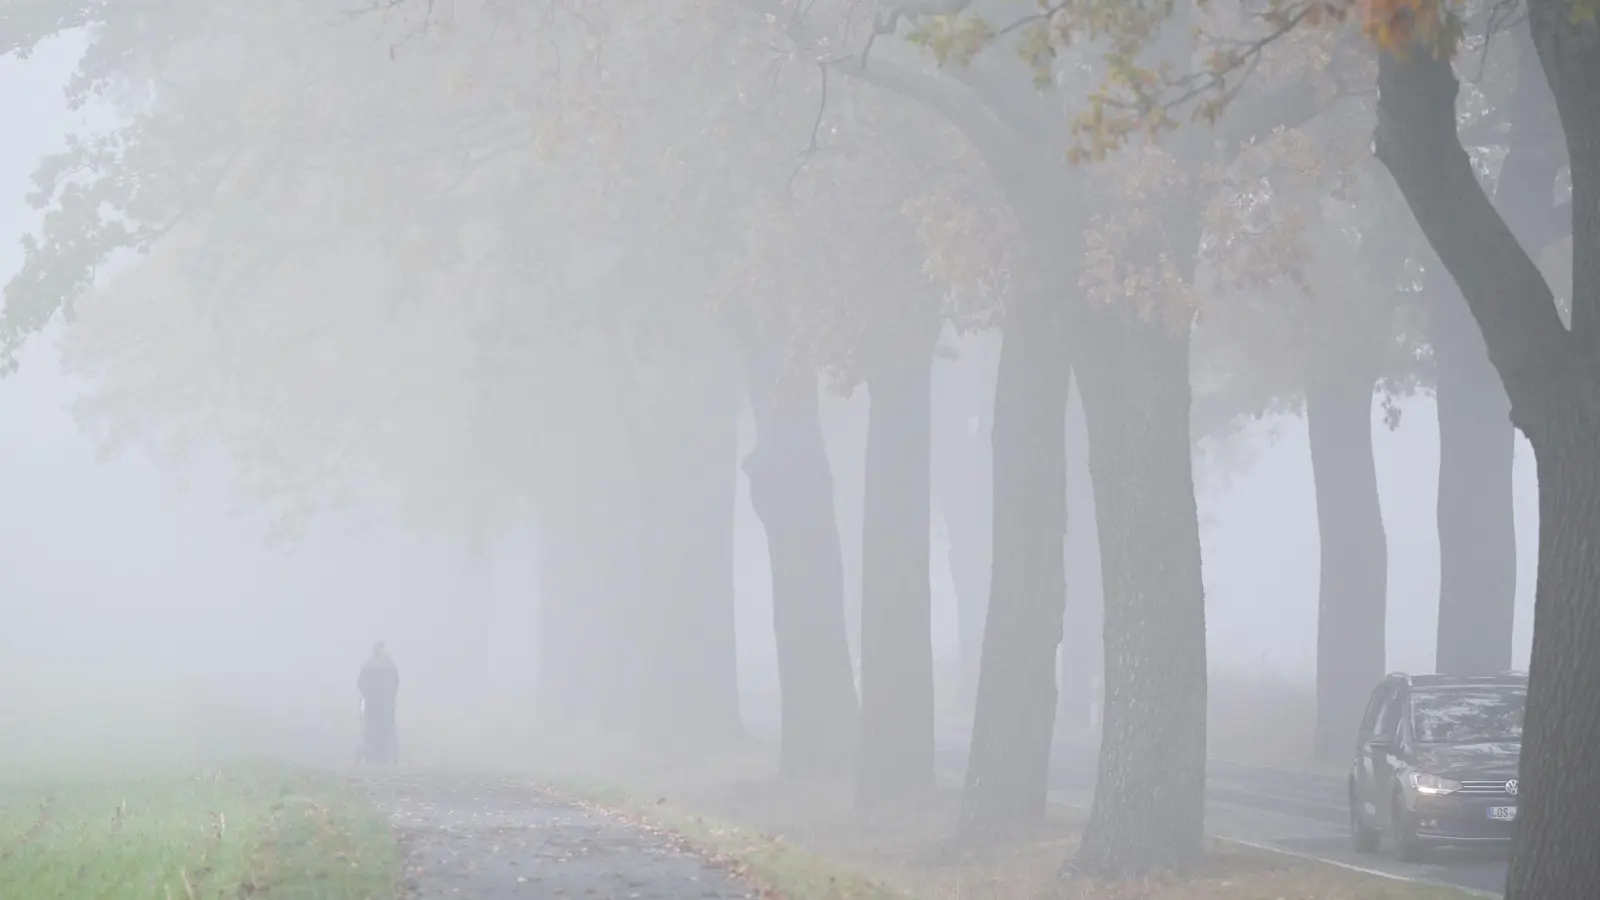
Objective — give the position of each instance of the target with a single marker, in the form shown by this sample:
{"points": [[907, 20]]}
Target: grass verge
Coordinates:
{"points": [[804, 842], [263, 832]]}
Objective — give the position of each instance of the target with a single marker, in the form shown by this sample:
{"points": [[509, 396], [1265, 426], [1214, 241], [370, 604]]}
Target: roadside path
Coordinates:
{"points": [[487, 837]]}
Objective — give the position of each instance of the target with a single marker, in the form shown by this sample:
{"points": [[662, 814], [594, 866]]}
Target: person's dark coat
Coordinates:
{"points": [[379, 685]]}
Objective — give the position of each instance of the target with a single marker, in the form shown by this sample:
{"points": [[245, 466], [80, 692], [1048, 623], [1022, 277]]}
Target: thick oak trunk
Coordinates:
{"points": [[1008, 763], [1549, 374], [1352, 588], [1553, 855], [1149, 810], [688, 485], [1477, 526], [1082, 656], [791, 489], [896, 760], [963, 487], [1559, 826]]}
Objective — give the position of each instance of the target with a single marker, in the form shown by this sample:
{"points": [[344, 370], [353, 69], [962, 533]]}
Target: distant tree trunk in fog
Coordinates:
{"points": [[689, 475], [1082, 656], [567, 688], [845, 435], [791, 489], [1352, 589], [897, 757], [1008, 765], [1477, 524], [588, 610], [1149, 802], [472, 610], [963, 403]]}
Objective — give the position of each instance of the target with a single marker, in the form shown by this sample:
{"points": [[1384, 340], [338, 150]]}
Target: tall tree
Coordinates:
{"points": [[844, 427], [860, 302], [1008, 765], [1019, 133], [1477, 526], [791, 488], [1082, 646], [963, 420], [1477, 535], [687, 439], [897, 740], [1547, 367]]}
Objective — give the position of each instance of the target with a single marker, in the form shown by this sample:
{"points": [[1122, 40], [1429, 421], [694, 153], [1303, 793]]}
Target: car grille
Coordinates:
{"points": [[1484, 788]]}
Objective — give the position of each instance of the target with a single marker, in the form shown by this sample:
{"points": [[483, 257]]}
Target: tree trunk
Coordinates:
{"points": [[1477, 529], [1559, 827], [1548, 372], [1553, 855], [963, 486], [1352, 588], [588, 627], [567, 693], [791, 489], [473, 610], [1477, 526], [844, 421], [896, 759], [1082, 656], [688, 486], [1149, 801], [1008, 764]]}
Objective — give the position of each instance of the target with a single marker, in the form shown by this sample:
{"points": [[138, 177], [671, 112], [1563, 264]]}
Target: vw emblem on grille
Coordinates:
{"points": [[1511, 787]]}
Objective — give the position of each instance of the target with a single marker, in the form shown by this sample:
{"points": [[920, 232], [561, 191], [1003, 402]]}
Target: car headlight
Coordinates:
{"points": [[1433, 784]]}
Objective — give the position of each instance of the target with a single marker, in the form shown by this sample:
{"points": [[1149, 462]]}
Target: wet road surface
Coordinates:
{"points": [[1308, 813], [1301, 812]]}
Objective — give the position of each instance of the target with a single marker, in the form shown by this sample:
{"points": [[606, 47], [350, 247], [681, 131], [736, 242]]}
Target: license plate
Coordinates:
{"points": [[1502, 813]]}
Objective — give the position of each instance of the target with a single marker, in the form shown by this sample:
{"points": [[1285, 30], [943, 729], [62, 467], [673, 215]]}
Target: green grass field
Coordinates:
{"points": [[245, 832]]}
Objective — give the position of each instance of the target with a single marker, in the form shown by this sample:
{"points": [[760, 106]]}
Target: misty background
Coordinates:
{"points": [[139, 600]]}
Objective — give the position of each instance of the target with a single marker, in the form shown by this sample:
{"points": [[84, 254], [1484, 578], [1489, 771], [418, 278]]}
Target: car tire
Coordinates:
{"points": [[1363, 837], [1403, 831]]}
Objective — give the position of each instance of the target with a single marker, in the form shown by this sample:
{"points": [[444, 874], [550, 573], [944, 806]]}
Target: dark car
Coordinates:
{"points": [[1436, 762]]}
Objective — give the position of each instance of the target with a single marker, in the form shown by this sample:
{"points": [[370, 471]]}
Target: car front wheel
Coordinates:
{"points": [[1363, 837]]}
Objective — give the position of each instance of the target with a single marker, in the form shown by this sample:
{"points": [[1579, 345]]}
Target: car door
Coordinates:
{"points": [[1386, 756], [1366, 767]]}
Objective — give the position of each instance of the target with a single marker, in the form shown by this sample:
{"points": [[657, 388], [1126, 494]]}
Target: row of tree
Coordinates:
{"points": [[506, 261]]}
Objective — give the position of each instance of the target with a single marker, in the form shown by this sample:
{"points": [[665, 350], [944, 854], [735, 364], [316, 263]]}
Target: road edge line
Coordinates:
{"points": [[1059, 800], [1408, 879]]}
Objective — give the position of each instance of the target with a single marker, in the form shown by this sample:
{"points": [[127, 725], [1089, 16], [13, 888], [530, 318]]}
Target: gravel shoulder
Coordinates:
{"points": [[497, 838]]}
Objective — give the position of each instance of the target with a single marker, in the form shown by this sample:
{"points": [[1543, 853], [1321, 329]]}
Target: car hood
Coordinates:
{"points": [[1471, 761]]}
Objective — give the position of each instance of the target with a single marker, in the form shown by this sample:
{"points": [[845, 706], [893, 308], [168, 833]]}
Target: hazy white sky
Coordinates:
{"points": [[119, 560]]}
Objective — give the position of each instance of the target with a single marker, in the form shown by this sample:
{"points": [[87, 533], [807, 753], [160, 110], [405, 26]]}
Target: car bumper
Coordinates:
{"points": [[1446, 820]]}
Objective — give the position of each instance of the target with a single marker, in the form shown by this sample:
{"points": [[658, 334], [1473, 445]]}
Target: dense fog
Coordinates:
{"points": [[145, 601], [1038, 397]]}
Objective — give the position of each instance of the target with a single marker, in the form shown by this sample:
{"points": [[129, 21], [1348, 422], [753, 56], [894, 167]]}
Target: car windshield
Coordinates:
{"points": [[1467, 715]]}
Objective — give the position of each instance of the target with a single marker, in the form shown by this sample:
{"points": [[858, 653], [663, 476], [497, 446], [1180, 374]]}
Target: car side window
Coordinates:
{"points": [[1374, 716], [1389, 724]]}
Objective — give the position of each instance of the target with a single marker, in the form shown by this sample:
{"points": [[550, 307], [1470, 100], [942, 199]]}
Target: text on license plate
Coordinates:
{"points": [[1502, 813]]}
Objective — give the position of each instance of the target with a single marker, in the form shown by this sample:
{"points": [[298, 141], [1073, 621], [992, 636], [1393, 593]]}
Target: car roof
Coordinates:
{"points": [[1504, 680]]}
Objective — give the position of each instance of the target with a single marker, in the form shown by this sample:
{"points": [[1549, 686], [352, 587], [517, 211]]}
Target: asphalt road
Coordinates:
{"points": [[1300, 812]]}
